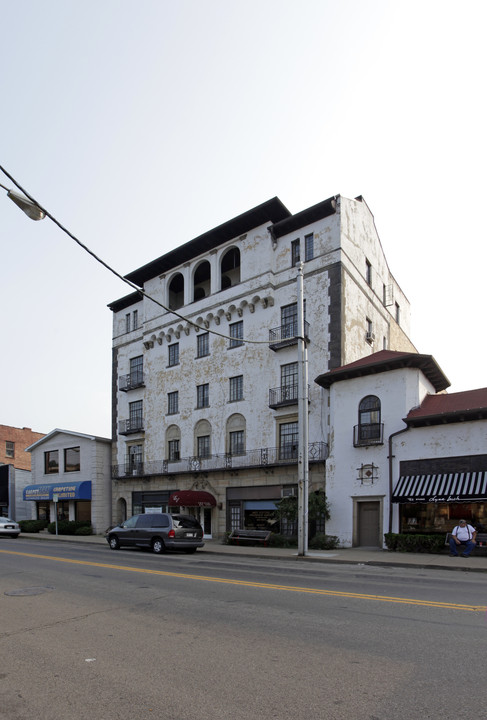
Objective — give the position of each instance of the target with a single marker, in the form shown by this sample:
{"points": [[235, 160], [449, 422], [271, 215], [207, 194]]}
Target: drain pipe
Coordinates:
{"points": [[391, 456]]}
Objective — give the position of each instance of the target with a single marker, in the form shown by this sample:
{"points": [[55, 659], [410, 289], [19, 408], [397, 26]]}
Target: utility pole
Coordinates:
{"points": [[303, 422]]}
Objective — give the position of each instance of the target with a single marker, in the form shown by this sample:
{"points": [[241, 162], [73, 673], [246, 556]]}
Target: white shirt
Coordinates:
{"points": [[463, 533]]}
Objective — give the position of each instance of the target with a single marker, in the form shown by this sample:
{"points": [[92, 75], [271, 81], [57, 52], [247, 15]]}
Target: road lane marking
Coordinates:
{"points": [[264, 586]]}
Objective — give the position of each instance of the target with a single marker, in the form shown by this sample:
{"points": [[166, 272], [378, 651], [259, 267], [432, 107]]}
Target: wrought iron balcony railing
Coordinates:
{"points": [[262, 457], [131, 381], [284, 395], [286, 335], [370, 434], [132, 425]]}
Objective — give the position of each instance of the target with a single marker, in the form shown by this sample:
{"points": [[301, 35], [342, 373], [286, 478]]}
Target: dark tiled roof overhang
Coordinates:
{"points": [[125, 302], [270, 212], [303, 218], [384, 361], [452, 408]]}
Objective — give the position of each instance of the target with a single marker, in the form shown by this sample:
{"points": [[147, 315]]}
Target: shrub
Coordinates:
{"points": [[68, 527], [391, 541], [321, 541], [85, 530], [417, 543], [32, 526], [283, 541]]}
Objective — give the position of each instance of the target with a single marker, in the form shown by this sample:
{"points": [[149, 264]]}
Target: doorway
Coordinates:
{"points": [[368, 524]]}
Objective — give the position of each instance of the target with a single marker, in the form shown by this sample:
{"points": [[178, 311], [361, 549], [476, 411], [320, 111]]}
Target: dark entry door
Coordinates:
{"points": [[369, 524]]}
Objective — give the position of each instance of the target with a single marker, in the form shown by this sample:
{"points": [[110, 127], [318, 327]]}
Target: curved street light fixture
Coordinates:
{"points": [[27, 206]]}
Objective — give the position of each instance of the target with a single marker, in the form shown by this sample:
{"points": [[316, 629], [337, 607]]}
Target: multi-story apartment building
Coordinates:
{"points": [[205, 401]]}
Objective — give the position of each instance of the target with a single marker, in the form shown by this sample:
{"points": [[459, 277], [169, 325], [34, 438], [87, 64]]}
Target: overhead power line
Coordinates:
{"points": [[117, 274]]}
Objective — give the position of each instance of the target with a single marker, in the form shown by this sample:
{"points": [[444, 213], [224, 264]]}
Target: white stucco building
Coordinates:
{"points": [[404, 456], [205, 388], [72, 469]]}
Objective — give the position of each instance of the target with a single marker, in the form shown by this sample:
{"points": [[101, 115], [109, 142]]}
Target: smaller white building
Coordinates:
{"points": [[404, 455], [71, 471]]}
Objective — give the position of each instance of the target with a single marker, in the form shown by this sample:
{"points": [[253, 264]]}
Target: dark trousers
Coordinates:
{"points": [[469, 546]]}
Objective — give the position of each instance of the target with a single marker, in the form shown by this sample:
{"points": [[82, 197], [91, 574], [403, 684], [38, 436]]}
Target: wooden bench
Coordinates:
{"points": [[250, 536], [481, 541]]}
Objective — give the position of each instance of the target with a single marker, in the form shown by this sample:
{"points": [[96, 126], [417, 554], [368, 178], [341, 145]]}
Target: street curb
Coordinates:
{"points": [[259, 555]]}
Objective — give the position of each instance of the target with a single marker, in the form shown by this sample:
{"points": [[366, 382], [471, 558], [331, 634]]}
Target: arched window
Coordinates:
{"points": [[202, 281], [230, 268], [176, 292], [235, 440], [202, 439], [173, 443], [369, 421]]}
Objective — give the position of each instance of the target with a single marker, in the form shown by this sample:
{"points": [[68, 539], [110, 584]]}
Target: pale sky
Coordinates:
{"points": [[140, 125]]}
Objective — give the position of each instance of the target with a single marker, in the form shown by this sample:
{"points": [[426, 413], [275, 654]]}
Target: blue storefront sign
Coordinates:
{"points": [[64, 491]]}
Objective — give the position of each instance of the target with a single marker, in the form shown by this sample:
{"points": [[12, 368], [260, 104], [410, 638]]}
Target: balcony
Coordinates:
{"points": [[262, 457], [132, 425], [286, 335], [131, 381], [284, 395], [372, 434]]}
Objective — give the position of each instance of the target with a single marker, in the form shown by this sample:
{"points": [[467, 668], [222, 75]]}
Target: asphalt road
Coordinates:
{"points": [[91, 633]]}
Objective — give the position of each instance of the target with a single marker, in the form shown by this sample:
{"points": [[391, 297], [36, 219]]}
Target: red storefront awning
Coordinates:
{"points": [[192, 498]]}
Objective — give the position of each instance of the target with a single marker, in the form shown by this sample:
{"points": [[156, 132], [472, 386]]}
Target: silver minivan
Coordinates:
{"points": [[158, 531]]}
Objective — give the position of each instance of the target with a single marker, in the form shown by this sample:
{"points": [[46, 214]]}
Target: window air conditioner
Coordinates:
{"points": [[288, 492], [370, 337]]}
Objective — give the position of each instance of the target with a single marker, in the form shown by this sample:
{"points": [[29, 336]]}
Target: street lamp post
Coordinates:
{"points": [[303, 423]]}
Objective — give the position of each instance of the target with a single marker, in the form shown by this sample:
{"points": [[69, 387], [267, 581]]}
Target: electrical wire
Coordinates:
{"points": [[121, 277]]}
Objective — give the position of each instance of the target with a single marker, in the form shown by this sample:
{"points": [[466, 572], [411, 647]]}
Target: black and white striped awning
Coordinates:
{"points": [[447, 487]]}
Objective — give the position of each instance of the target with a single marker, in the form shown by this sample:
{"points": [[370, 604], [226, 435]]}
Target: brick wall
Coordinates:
{"points": [[21, 438]]}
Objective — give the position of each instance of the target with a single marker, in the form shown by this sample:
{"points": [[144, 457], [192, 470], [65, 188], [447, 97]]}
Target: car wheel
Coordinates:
{"points": [[15, 536], [113, 542], [189, 550], [158, 546]]}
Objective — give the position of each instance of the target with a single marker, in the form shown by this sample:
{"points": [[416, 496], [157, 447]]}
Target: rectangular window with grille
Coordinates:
{"points": [[236, 334], [235, 517], [173, 450], [203, 395], [135, 415], [9, 449], [237, 443], [173, 358], [203, 446], [173, 402], [135, 457], [136, 370], [289, 381], [309, 247], [295, 252], [203, 345], [288, 441], [236, 388]]}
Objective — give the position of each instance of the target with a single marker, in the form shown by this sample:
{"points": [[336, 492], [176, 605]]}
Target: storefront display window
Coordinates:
{"points": [[439, 517]]}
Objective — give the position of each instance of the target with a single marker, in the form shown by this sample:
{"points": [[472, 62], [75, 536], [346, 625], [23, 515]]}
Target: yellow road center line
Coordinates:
{"points": [[265, 586]]}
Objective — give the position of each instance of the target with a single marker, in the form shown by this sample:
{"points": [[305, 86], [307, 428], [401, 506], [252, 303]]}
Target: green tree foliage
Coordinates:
{"points": [[318, 507]]}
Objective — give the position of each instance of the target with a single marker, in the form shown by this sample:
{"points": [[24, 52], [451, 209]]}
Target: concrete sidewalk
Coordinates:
{"points": [[356, 556]]}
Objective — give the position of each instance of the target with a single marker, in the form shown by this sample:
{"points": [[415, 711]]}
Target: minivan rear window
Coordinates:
{"points": [[185, 521]]}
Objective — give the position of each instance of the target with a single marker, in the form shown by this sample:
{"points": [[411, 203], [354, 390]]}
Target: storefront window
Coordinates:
{"points": [[439, 517]]}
